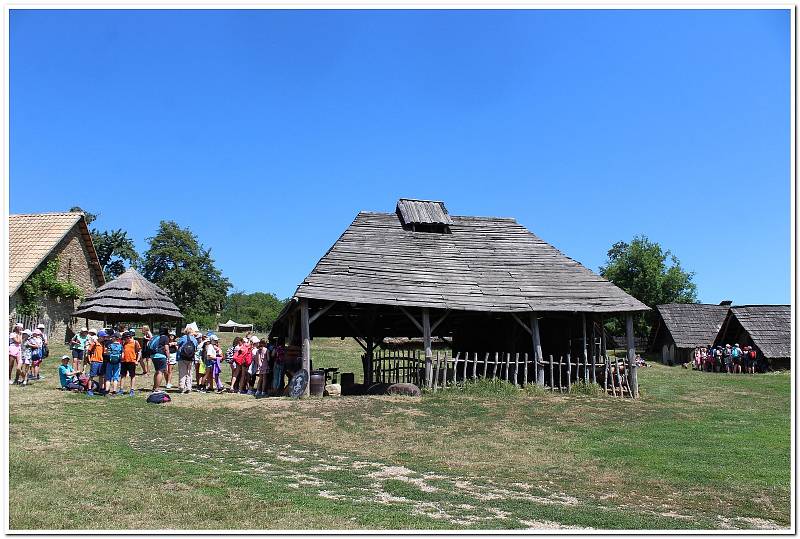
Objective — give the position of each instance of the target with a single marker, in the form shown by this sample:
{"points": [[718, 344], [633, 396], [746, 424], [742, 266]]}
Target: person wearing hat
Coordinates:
{"points": [[14, 350], [24, 363], [737, 358], [45, 342], [68, 377], [187, 346], [38, 351], [145, 360], [78, 346], [94, 354], [160, 356]]}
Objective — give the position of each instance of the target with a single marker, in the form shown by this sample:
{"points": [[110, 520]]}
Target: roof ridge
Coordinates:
{"points": [[70, 213]]}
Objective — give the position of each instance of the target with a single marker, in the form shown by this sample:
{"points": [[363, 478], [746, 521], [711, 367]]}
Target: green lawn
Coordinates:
{"points": [[698, 450]]}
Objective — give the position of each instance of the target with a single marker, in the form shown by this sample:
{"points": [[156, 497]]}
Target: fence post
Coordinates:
{"points": [[569, 373]]}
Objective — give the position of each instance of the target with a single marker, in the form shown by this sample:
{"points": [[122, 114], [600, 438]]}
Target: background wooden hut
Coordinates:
{"points": [[765, 327], [681, 327], [233, 327], [36, 239], [487, 282], [129, 298]]}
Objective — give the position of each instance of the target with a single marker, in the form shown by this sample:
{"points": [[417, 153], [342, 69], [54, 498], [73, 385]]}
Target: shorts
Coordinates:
{"points": [[36, 362], [106, 363], [159, 363], [113, 371], [23, 361], [95, 369], [77, 353], [73, 386], [128, 369], [14, 350], [210, 363], [173, 359]]}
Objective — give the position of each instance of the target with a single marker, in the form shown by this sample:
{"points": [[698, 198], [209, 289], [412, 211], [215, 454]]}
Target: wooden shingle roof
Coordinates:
{"points": [[32, 237], [692, 324], [769, 326], [483, 264], [423, 212], [129, 297]]}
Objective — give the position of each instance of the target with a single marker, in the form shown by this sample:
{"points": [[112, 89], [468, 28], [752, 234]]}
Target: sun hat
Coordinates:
{"points": [[93, 331], [40, 326], [37, 331], [19, 325], [214, 338], [26, 332], [255, 340], [84, 329]]}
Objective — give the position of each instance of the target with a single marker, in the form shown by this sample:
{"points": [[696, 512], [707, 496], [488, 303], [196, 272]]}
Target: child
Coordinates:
{"points": [[253, 367], [280, 363], [229, 357], [78, 346], [217, 368], [173, 358], [131, 353], [67, 376], [199, 361], [24, 363], [114, 365], [37, 345], [263, 370], [14, 350], [94, 351], [242, 358], [209, 357]]}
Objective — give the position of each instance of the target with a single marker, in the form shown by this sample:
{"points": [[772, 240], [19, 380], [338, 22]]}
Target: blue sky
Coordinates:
{"points": [[266, 131]]}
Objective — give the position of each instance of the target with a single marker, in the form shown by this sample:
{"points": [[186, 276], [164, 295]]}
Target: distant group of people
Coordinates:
{"points": [[105, 361], [731, 359]]}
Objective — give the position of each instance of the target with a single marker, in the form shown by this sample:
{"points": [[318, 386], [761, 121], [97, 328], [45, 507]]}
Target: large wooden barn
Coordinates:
{"points": [[768, 328], [486, 282], [682, 327]]}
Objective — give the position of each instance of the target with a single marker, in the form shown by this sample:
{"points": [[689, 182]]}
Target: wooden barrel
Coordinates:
{"points": [[317, 383]]}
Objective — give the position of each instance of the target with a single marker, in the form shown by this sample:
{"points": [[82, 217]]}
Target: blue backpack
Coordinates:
{"points": [[114, 352], [735, 353], [152, 345]]}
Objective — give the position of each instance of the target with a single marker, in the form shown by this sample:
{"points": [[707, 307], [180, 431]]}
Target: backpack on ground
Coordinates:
{"points": [[152, 345], [158, 398], [84, 381], [115, 352], [188, 350]]}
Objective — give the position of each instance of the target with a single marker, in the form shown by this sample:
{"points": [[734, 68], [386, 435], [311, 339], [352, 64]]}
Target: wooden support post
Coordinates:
{"points": [[593, 377], [569, 373], [306, 336], [585, 355], [455, 368], [560, 373], [508, 365], [552, 384], [525, 372], [475, 366], [494, 370], [537, 350], [435, 379], [633, 378], [466, 362], [485, 365], [426, 338], [516, 369]]}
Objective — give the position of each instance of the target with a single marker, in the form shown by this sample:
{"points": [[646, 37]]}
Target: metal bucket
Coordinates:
{"points": [[317, 387]]}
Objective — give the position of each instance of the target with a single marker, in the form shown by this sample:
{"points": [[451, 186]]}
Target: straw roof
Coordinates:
{"points": [[769, 327], [692, 324], [479, 264], [129, 297], [32, 237]]}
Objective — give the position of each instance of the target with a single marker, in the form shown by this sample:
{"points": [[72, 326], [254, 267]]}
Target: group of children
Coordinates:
{"points": [[26, 351], [730, 359], [102, 361]]}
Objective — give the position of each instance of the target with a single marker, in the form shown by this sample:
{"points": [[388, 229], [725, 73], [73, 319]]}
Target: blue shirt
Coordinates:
{"points": [[183, 340], [63, 377]]}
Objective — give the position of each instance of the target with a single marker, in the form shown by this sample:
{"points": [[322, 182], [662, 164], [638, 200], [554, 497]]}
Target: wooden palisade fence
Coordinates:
{"points": [[608, 372]]}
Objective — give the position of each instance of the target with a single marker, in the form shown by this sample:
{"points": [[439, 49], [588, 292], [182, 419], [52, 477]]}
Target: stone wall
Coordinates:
{"points": [[73, 257]]}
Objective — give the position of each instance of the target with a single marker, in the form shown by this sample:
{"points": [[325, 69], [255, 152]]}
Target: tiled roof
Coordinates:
{"points": [[32, 237]]}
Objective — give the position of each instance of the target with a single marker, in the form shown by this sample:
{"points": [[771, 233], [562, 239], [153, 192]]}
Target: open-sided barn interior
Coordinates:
{"points": [[490, 284]]}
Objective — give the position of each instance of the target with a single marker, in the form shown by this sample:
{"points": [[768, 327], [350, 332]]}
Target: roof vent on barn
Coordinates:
{"points": [[423, 215]]}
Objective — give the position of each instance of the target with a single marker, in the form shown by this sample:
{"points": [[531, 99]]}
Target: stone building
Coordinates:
{"points": [[36, 239]]}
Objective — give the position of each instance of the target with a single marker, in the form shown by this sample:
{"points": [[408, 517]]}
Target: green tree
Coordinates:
{"points": [[114, 247], [259, 308], [650, 274], [179, 264]]}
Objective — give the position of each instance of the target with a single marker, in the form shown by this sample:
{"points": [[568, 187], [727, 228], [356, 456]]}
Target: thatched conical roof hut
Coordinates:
{"points": [[129, 297]]}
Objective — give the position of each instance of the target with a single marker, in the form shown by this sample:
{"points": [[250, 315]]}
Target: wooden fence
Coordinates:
{"points": [[32, 321], [608, 372]]}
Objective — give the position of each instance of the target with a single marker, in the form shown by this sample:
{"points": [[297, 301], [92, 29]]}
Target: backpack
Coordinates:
{"points": [[752, 354], [45, 351], [187, 350], [84, 381], [152, 345], [158, 398], [735, 353], [114, 352]]}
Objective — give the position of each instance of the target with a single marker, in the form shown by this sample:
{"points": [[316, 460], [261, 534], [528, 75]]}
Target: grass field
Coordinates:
{"points": [[698, 450]]}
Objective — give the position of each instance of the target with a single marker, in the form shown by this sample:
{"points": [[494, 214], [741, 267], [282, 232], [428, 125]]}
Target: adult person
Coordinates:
{"points": [[229, 358], [159, 346], [209, 358], [23, 365], [115, 350], [14, 350], [67, 377], [727, 359], [187, 345], [737, 357], [131, 353], [78, 346], [147, 335]]}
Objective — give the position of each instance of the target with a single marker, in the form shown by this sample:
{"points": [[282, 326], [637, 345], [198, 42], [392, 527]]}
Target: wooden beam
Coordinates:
{"points": [[410, 317], [537, 350], [521, 323], [361, 344], [585, 356], [426, 338], [436, 324], [305, 333], [633, 379], [320, 312]]}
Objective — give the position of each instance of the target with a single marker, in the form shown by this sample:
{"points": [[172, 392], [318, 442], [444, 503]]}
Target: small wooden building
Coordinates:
{"points": [[682, 327], [486, 282], [36, 239], [767, 328]]}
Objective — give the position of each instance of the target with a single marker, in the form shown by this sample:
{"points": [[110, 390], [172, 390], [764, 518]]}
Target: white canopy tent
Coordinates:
{"points": [[231, 326]]}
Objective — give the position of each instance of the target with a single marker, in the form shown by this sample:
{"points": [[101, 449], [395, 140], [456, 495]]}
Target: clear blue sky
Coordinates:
{"points": [[267, 131]]}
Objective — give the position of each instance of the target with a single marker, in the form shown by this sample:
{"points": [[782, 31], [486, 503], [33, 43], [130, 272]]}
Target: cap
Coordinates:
{"points": [[19, 325], [118, 335], [255, 340], [102, 333], [37, 331], [172, 332], [26, 332], [83, 329], [93, 331], [214, 338], [65, 357], [40, 326]]}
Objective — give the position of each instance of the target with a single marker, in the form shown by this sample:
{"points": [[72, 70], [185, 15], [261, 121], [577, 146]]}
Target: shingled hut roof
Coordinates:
{"points": [[129, 297], [477, 264], [769, 326], [33, 236], [692, 324]]}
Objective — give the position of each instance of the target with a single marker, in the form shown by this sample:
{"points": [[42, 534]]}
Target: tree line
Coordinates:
{"points": [[176, 261]]}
